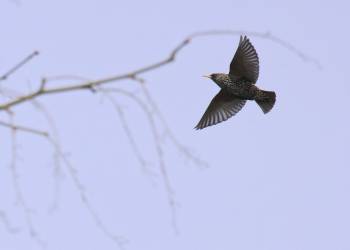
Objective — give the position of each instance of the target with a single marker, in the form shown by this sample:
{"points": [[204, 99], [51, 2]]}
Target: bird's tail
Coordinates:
{"points": [[266, 100]]}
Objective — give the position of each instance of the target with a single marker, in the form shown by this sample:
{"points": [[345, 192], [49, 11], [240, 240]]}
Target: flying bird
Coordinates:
{"points": [[237, 87]]}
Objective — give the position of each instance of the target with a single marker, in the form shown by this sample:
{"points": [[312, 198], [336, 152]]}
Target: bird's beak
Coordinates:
{"points": [[207, 76]]}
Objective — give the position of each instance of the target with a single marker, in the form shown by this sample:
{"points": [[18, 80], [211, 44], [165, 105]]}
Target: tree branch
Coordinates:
{"points": [[169, 133], [119, 240], [6, 222], [16, 184], [24, 129], [18, 65], [158, 147], [133, 74]]}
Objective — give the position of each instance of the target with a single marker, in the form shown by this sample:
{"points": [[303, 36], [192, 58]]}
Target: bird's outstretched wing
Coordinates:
{"points": [[223, 106], [245, 62]]}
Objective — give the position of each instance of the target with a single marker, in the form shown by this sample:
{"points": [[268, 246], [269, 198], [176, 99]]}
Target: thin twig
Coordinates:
{"points": [[73, 173], [6, 222], [159, 150], [57, 170], [119, 240], [169, 133], [15, 179], [130, 136], [18, 65], [23, 129]]}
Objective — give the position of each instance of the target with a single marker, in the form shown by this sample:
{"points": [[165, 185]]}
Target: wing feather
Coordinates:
{"points": [[223, 106], [245, 62]]}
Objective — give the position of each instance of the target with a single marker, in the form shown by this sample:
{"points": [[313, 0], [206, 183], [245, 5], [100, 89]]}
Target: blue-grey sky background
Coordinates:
{"points": [[275, 181]]}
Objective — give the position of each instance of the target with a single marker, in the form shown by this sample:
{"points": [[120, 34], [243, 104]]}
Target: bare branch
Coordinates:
{"points": [[159, 150], [119, 240], [15, 179], [128, 132], [6, 222], [73, 173], [132, 74], [24, 129], [169, 133], [57, 170], [18, 65]]}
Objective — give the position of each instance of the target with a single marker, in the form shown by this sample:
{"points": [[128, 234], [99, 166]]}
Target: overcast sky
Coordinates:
{"points": [[275, 181]]}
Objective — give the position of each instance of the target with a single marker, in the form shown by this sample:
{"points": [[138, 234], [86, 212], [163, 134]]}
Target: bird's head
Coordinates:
{"points": [[215, 77], [211, 76]]}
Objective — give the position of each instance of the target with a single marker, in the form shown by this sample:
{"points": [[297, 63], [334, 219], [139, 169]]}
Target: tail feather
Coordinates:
{"points": [[266, 100]]}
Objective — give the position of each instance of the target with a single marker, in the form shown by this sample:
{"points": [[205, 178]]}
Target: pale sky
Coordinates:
{"points": [[275, 181]]}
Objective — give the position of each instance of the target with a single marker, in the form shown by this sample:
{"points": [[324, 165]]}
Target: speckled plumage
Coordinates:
{"points": [[237, 87]]}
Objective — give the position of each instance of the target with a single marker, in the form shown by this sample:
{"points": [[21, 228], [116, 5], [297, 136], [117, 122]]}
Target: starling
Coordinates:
{"points": [[237, 87]]}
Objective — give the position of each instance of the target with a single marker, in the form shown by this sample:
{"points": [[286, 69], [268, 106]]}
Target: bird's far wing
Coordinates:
{"points": [[223, 106], [245, 62]]}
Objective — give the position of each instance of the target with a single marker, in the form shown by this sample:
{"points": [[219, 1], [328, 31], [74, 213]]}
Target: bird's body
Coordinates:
{"points": [[237, 87]]}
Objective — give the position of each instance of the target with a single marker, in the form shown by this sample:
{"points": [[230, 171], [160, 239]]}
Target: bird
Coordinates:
{"points": [[237, 87]]}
